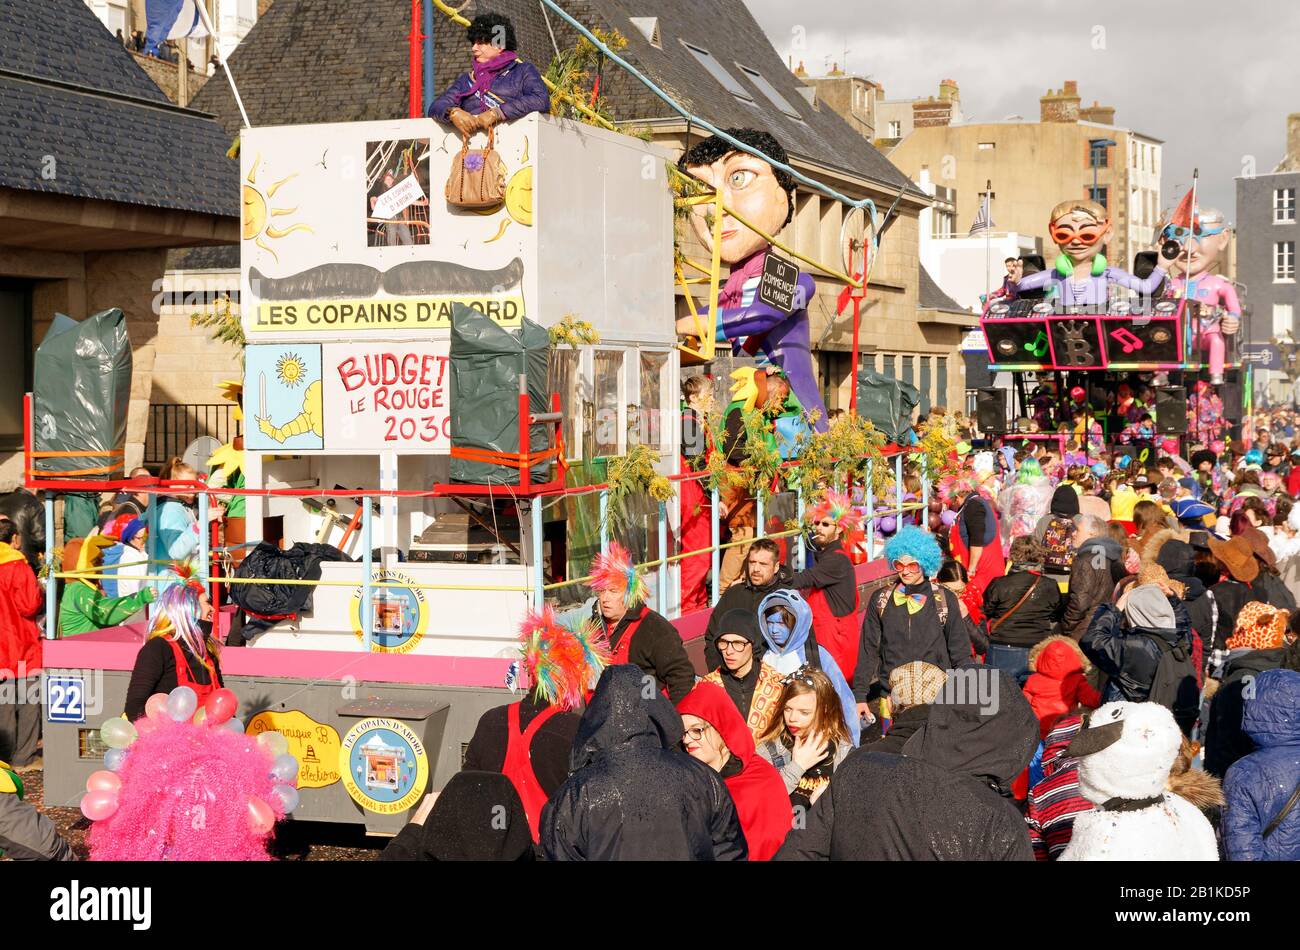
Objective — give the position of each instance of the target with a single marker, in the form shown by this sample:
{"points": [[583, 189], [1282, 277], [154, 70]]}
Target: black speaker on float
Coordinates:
{"points": [[1171, 410], [991, 410], [1231, 392]]}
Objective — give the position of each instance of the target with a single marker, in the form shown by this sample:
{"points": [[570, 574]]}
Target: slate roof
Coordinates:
{"points": [[309, 61], [70, 91], [930, 296]]}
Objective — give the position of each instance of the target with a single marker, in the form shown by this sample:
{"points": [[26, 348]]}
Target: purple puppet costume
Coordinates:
{"points": [[783, 338], [1092, 291], [1080, 276], [759, 192]]}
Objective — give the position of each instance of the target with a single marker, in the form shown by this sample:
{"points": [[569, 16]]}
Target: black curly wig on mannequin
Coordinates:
{"points": [[707, 151], [493, 28]]}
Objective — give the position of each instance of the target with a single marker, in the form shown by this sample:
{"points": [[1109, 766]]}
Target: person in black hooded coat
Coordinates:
{"points": [[945, 798], [466, 824], [633, 794]]}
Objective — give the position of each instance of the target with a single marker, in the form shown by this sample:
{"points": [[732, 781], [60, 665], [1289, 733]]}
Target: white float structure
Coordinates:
{"points": [[348, 337]]}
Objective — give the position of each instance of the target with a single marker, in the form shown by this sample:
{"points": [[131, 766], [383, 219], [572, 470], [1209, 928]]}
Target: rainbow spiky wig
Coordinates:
{"points": [[954, 485], [911, 541], [563, 661], [838, 508], [614, 570]]}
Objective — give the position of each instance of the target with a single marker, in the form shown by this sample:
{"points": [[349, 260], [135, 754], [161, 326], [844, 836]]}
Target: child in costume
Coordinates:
{"points": [[84, 607]]}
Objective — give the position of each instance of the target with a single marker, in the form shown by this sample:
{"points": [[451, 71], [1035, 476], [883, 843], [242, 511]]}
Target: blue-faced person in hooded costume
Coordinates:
{"points": [[786, 622]]}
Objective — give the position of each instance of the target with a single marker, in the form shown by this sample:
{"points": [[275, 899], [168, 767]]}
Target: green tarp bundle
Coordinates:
{"points": [[486, 362], [887, 402], [82, 389]]}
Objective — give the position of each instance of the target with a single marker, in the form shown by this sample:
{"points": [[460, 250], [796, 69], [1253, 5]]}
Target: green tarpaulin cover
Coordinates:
{"points": [[82, 389], [486, 362]]}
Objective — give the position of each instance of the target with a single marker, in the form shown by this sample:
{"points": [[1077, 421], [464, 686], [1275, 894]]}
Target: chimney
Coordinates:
{"points": [[948, 89], [1103, 115], [1062, 105], [1293, 137], [800, 71]]}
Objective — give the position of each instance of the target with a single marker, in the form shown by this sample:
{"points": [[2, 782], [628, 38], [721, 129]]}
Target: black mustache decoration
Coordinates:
{"points": [[343, 281]]}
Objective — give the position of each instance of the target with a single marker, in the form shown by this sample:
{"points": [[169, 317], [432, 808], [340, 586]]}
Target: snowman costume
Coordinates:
{"points": [[1125, 751]]}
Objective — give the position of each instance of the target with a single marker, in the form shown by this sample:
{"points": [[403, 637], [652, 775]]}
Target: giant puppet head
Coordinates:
{"points": [[1203, 241], [1080, 228], [763, 195]]}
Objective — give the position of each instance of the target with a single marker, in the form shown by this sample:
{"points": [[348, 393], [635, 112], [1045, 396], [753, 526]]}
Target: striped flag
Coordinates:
{"points": [[170, 20], [983, 219]]}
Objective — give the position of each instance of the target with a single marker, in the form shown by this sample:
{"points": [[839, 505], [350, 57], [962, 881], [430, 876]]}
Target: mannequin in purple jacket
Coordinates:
{"points": [[765, 196], [499, 87], [1080, 275]]}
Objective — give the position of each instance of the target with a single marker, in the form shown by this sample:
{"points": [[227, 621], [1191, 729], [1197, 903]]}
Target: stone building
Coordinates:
{"points": [[99, 176], [1035, 165], [1267, 236]]}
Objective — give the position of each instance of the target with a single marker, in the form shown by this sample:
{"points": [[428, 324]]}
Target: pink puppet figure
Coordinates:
{"points": [[1217, 312]]}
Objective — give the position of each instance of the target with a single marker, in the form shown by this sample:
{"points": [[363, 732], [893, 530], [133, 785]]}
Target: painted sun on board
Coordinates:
{"points": [[257, 212], [290, 370]]}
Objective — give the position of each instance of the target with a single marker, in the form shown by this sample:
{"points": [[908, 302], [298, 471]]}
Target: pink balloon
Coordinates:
{"points": [[155, 707], [99, 805], [145, 725], [220, 706], [260, 816], [103, 781]]}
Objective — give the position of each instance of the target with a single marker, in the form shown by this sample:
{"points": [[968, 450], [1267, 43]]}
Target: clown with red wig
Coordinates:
{"points": [[637, 634], [830, 586]]}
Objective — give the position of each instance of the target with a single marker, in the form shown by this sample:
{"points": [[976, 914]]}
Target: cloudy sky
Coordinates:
{"points": [[1214, 80]]}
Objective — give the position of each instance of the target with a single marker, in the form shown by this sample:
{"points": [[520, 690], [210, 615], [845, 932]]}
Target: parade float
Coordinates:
{"points": [[418, 380], [1090, 332]]}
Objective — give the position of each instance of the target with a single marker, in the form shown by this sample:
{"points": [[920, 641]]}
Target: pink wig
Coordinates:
{"points": [[185, 797], [614, 571]]}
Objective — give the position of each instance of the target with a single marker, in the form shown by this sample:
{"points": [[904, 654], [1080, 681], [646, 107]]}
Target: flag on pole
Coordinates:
{"points": [[170, 20], [983, 219], [1186, 219]]}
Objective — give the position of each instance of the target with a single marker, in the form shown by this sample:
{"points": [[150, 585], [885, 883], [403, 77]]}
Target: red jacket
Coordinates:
{"points": [[1058, 683], [21, 601], [758, 791]]}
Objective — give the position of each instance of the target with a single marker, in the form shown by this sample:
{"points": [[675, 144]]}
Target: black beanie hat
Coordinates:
{"points": [[741, 623], [1177, 558], [1065, 501]]}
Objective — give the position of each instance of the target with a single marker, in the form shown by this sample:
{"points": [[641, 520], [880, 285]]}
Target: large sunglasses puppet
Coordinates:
{"points": [[1080, 276], [1199, 240], [765, 196]]}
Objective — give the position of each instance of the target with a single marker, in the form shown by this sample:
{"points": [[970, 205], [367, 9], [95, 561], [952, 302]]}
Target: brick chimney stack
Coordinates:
{"points": [[1102, 115], [1293, 138], [1061, 105]]}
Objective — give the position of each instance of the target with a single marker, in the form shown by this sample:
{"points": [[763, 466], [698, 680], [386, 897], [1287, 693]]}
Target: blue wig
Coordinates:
{"points": [[912, 541]]}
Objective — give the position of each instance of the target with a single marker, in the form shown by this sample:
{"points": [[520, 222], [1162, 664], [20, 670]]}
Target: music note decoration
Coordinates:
{"points": [[1127, 339], [1038, 346]]}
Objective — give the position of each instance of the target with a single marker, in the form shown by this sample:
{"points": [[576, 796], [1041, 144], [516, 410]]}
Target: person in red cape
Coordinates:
{"points": [[715, 733], [974, 539], [637, 634], [830, 585], [180, 649], [529, 741]]}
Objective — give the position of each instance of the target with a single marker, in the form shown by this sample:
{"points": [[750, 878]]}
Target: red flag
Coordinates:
{"points": [[1186, 216]]}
